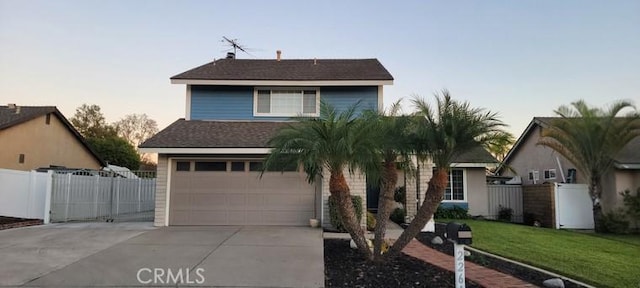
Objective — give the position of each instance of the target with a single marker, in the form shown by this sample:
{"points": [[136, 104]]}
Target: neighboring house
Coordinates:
{"points": [[209, 163], [537, 164], [36, 137]]}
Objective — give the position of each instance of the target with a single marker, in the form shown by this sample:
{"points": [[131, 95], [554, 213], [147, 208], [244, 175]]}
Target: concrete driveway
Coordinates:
{"points": [[126, 254]]}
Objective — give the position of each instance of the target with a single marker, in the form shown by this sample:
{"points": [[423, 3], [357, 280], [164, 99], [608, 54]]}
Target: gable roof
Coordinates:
{"points": [[249, 134], [627, 157], [477, 155], [10, 116], [289, 70]]}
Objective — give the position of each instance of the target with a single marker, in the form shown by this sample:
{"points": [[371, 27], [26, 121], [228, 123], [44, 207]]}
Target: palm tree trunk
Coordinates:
{"points": [[595, 192], [338, 187], [388, 185], [432, 199]]}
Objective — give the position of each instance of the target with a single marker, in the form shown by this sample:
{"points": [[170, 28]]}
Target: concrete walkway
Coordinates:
{"points": [[476, 273], [211, 256]]}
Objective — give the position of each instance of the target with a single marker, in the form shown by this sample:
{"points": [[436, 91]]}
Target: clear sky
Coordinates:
{"points": [[518, 58]]}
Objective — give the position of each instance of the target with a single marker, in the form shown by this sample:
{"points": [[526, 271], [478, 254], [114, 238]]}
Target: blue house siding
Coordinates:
{"points": [[343, 97], [236, 102], [221, 103]]}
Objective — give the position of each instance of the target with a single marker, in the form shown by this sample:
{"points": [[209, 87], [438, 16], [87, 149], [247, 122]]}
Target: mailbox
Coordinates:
{"points": [[459, 233]]}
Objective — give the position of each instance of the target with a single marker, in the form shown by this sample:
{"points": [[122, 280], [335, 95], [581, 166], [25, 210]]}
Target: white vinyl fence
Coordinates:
{"points": [[66, 196], [506, 196], [23, 194], [104, 196]]}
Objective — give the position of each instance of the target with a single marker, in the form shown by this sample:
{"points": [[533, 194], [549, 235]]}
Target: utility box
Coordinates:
{"points": [[459, 233]]}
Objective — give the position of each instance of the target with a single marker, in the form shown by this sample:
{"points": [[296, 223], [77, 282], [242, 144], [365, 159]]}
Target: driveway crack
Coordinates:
{"points": [[216, 248]]}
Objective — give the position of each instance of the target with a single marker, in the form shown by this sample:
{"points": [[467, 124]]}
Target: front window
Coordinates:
{"points": [[286, 102], [455, 188]]}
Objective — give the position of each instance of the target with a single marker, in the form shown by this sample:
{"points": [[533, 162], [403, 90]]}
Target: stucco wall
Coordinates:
{"points": [[615, 182], [43, 145], [477, 195], [536, 157]]}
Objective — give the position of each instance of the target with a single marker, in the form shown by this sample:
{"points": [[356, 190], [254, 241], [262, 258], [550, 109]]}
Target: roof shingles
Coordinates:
{"points": [[289, 70], [214, 134], [10, 116]]}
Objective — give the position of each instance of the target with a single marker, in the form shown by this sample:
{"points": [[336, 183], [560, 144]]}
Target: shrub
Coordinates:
{"points": [[505, 214], [632, 205], [398, 215], [334, 215], [615, 222], [399, 194], [455, 212], [371, 221]]}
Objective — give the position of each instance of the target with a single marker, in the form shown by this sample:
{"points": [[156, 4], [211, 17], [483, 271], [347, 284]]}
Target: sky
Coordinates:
{"points": [[521, 59]]}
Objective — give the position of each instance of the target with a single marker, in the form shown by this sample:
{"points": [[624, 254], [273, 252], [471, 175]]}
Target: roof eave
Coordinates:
{"points": [[627, 166], [183, 150], [473, 165], [283, 82]]}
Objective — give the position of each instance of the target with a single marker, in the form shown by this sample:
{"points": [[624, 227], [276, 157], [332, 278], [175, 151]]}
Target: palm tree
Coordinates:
{"points": [[442, 134], [501, 144], [391, 135], [335, 142], [590, 138]]}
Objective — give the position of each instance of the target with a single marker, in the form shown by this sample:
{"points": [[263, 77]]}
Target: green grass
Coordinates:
{"points": [[600, 260], [633, 239]]}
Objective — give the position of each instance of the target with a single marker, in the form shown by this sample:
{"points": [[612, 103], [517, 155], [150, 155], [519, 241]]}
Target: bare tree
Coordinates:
{"points": [[136, 128]]}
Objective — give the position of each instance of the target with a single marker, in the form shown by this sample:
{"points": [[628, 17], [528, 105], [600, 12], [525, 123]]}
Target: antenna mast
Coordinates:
{"points": [[235, 45]]}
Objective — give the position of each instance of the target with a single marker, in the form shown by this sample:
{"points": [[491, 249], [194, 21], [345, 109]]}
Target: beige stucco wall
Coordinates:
{"points": [[43, 145], [614, 183], [476, 187], [477, 194], [536, 157]]}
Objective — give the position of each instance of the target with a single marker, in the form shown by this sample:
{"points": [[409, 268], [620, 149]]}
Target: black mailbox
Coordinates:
{"points": [[459, 233]]}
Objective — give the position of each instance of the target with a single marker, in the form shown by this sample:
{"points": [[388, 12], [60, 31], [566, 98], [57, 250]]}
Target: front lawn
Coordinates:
{"points": [[590, 258]]}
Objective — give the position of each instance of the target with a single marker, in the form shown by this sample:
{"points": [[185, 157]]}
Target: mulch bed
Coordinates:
{"points": [[345, 267], [526, 274], [12, 222]]}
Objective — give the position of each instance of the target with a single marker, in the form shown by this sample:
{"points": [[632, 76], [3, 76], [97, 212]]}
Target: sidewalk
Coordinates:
{"points": [[476, 273]]}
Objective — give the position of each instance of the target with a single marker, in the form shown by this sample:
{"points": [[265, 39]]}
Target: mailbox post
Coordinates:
{"points": [[460, 235]]}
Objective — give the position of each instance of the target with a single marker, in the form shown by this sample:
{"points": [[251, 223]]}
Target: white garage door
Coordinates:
{"points": [[218, 192]]}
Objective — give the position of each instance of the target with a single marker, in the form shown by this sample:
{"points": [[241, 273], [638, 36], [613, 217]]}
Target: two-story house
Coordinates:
{"points": [[209, 163]]}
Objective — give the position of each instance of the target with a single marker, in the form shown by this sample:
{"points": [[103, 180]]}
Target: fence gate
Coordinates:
{"points": [[573, 206], [102, 196]]}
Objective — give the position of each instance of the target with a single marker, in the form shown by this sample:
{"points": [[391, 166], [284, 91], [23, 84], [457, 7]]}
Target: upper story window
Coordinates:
{"points": [[286, 102], [550, 174]]}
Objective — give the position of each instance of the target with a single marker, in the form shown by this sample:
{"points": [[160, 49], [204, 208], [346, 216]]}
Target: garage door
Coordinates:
{"points": [[207, 192]]}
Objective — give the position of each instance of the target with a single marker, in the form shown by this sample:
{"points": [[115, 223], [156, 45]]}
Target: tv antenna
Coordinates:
{"points": [[235, 45]]}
